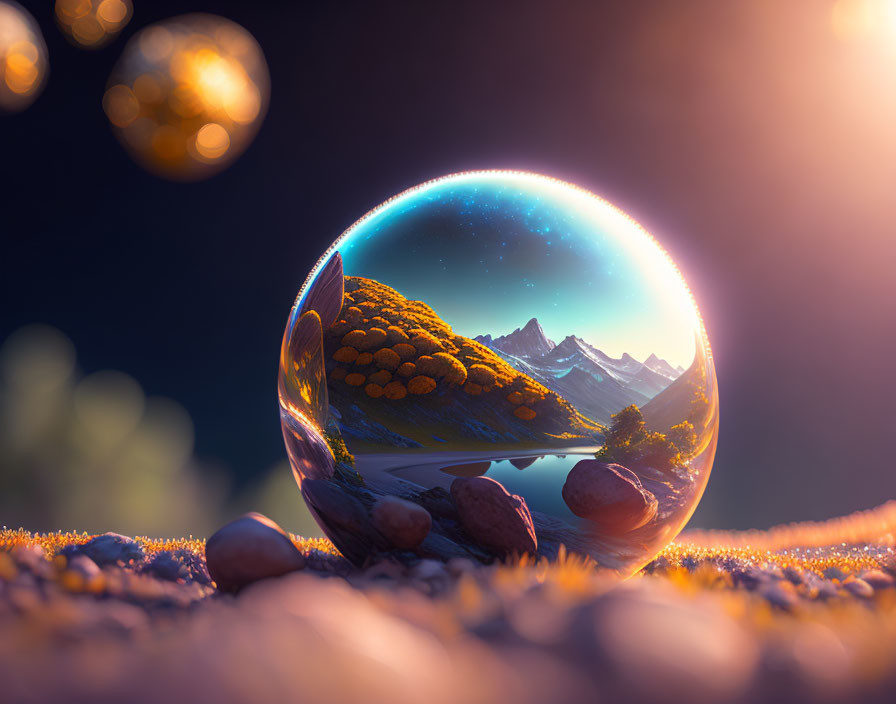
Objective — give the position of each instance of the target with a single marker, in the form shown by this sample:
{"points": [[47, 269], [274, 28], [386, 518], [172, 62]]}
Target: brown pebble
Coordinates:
{"points": [[248, 549]]}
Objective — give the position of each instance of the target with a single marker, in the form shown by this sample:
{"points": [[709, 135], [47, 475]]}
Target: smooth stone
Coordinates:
{"points": [[165, 566], [112, 548], [249, 549], [327, 292], [777, 595], [609, 495], [859, 587], [403, 523], [34, 558], [493, 517], [83, 566], [878, 579]]}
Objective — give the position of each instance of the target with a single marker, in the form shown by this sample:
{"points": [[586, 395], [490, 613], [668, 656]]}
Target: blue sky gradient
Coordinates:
{"points": [[489, 251]]}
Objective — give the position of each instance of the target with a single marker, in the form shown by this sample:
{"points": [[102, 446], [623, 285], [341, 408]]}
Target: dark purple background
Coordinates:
{"points": [[756, 145]]}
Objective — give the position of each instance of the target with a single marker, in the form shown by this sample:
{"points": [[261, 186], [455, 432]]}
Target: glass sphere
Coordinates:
{"points": [[496, 363], [23, 58], [188, 95]]}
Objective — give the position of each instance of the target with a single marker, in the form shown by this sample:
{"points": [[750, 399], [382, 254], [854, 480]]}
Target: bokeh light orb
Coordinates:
{"points": [[188, 95], [23, 58], [92, 24], [495, 363]]}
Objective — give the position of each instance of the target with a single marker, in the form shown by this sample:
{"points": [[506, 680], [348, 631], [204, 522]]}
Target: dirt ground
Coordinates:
{"points": [[799, 613]]}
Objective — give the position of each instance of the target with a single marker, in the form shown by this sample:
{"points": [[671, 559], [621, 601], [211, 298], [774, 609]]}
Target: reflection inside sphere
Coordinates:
{"points": [[92, 24], [188, 95], [496, 363], [23, 58]]}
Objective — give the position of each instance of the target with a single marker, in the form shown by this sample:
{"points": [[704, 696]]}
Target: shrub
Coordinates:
{"points": [[530, 396], [355, 379], [407, 370], [449, 346], [376, 337], [428, 366], [364, 359], [453, 370], [524, 413], [395, 334], [338, 373], [338, 448], [382, 377], [386, 358], [380, 322], [355, 339], [515, 397], [366, 306], [425, 343], [472, 388], [405, 351], [482, 375], [395, 391], [346, 355], [373, 390], [353, 314], [630, 443], [339, 328], [420, 385]]}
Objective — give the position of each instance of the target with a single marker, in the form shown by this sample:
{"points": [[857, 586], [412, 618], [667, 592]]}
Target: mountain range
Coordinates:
{"points": [[597, 384]]}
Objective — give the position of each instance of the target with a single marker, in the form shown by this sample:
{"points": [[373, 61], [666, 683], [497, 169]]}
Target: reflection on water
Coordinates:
{"points": [[541, 479]]}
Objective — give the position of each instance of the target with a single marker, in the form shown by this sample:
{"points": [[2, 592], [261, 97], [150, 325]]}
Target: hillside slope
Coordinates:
{"points": [[400, 376]]}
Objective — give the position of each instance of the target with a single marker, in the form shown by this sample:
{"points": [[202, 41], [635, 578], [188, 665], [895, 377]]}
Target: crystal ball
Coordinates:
{"points": [[23, 58], [188, 95], [494, 364]]}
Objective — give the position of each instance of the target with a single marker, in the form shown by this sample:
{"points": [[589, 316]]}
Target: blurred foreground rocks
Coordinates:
{"points": [[697, 626], [111, 549]]}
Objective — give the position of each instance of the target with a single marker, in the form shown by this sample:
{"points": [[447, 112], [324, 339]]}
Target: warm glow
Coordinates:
{"points": [[188, 95], [121, 105], [91, 24], [112, 12], [212, 141], [864, 19], [23, 58]]}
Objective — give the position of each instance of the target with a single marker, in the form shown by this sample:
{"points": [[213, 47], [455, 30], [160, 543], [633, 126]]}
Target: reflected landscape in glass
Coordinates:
{"points": [[496, 363]]}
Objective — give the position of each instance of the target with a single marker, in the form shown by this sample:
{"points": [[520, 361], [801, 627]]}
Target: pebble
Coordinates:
{"points": [[111, 549], [493, 517], [403, 523], [859, 587], [249, 549], [878, 579], [610, 495]]}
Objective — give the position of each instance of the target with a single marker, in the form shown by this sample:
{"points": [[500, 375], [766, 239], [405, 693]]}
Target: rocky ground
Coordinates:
{"points": [[801, 613]]}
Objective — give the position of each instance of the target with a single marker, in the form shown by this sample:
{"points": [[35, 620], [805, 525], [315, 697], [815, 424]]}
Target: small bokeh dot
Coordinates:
{"points": [[188, 95], [23, 58], [91, 24]]}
